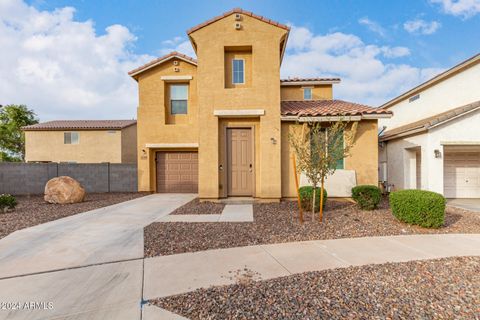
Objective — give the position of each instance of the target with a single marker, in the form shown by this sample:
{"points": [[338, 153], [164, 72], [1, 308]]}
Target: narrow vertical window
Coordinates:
{"points": [[238, 72], [307, 93], [178, 98]]}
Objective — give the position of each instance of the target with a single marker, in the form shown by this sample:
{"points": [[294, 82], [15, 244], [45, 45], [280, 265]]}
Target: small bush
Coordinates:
{"points": [[306, 196], [419, 207], [367, 197], [7, 202]]}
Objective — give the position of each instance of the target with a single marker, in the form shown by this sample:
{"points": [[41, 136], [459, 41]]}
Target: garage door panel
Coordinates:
{"points": [[462, 174], [177, 172]]}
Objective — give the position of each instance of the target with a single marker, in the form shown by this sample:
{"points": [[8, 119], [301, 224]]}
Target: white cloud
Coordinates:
{"points": [[373, 26], [61, 68], [178, 44], [462, 8], [421, 26], [366, 78]]}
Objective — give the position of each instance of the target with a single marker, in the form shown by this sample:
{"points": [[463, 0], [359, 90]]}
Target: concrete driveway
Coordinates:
{"points": [[466, 204], [86, 266]]}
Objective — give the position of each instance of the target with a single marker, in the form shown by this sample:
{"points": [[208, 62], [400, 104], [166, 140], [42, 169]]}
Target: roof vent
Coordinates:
{"points": [[176, 69], [238, 17], [175, 62], [238, 26], [415, 97]]}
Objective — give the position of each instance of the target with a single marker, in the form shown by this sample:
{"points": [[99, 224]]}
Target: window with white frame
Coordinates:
{"points": [[307, 93], [238, 71], [178, 98], [71, 137]]}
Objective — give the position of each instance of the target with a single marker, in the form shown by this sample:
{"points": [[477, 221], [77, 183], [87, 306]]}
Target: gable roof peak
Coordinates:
{"points": [[162, 59], [237, 10]]}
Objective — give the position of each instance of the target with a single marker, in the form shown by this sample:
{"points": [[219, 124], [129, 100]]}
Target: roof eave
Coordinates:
{"points": [[134, 73], [306, 83]]}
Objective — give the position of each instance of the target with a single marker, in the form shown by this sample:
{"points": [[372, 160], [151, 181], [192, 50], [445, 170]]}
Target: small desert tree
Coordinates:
{"points": [[318, 150]]}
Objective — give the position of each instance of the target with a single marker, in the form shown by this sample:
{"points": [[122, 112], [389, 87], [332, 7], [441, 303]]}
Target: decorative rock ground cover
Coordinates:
{"points": [[33, 210], [278, 222], [433, 289], [197, 207]]}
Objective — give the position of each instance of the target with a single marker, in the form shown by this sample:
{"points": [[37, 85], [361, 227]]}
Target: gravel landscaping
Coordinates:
{"points": [[434, 289], [33, 210], [278, 222], [197, 207]]}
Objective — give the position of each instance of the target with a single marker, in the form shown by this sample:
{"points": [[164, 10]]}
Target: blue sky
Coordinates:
{"points": [[378, 48]]}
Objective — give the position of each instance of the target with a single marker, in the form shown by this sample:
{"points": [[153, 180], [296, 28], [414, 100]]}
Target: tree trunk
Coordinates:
{"points": [[313, 201], [298, 192], [320, 216]]}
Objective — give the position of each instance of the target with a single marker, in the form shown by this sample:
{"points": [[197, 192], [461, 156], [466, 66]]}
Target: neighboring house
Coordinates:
{"points": [[432, 142], [219, 125], [82, 141]]}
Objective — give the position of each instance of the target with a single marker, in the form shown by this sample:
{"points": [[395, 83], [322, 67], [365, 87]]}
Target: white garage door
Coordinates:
{"points": [[462, 173]]}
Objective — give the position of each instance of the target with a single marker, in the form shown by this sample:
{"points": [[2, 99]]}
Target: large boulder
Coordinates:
{"points": [[63, 190]]}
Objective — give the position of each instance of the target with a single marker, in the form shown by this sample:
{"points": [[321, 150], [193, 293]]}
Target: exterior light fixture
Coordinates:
{"points": [[274, 141], [437, 153]]}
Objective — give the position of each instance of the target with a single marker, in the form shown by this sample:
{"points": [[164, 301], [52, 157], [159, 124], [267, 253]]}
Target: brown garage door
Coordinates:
{"points": [[177, 172]]}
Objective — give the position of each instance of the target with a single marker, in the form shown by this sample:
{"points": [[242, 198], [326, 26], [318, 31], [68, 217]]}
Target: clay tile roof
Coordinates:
{"points": [[237, 10], [296, 79], [80, 125], [319, 108], [426, 123], [162, 59]]}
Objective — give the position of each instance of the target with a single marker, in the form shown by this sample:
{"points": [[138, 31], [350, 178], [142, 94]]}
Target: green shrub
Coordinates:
{"points": [[7, 201], [419, 207], [306, 196], [366, 196]]}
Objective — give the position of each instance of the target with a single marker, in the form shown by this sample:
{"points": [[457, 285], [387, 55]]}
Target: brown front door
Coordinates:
{"points": [[177, 172], [239, 162]]}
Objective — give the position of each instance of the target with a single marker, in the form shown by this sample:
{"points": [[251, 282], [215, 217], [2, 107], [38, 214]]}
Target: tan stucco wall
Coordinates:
{"points": [[363, 156], [319, 92], [264, 93], [153, 116], [129, 144], [93, 146]]}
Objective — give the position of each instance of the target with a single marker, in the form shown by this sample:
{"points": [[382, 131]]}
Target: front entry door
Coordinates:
{"points": [[239, 162]]}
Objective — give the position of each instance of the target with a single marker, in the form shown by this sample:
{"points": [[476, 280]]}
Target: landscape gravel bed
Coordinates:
{"points": [[197, 207], [278, 222], [33, 210], [433, 289]]}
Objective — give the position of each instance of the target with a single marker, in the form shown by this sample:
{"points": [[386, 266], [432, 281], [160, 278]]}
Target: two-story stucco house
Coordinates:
{"points": [[82, 141], [432, 142], [218, 125]]}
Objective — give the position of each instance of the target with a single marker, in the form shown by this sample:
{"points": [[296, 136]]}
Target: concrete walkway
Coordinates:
{"points": [[175, 274], [466, 204], [231, 213], [88, 266]]}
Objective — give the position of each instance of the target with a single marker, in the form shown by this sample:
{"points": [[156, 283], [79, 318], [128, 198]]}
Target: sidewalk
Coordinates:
{"points": [[175, 274]]}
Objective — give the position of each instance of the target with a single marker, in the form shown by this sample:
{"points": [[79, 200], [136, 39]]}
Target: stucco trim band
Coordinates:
{"points": [[167, 78], [239, 113], [171, 145]]}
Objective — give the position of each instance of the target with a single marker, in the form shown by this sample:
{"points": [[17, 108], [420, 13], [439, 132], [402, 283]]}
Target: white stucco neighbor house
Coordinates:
{"points": [[432, 142]]}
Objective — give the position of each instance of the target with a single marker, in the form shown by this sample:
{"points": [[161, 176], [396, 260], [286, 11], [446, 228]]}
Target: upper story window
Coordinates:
{"points": [[238, 72], [71, 138], [307, 93], [178, 98]]}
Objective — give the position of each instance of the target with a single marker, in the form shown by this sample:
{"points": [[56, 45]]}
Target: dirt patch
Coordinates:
{"points": [[33, 210], [434, 289], [278, 222]]}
